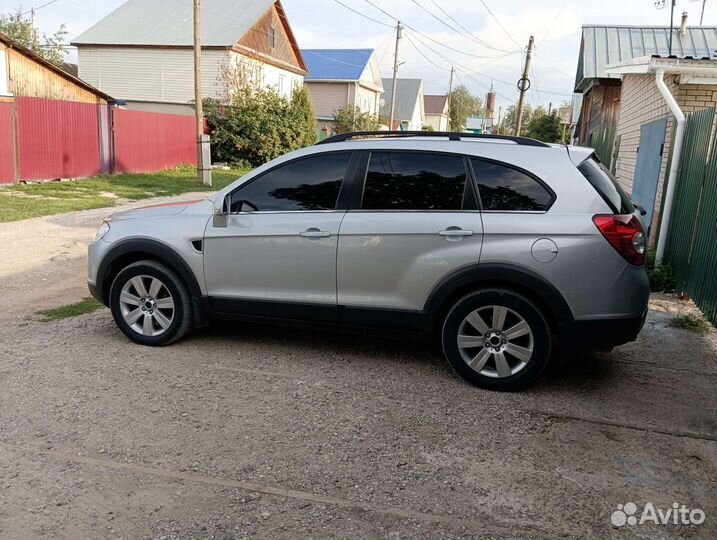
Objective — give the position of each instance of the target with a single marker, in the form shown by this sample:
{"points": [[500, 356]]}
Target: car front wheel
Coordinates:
{"points": [[150, 303], [497, 339]]}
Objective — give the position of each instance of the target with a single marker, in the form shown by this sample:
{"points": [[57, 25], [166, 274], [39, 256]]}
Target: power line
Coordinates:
{"points": [[469, 36], [422, 34], [499, 24], [363, 15], [554, 20], [39, 7], [421, 53], [465, 70], [469, 33]]}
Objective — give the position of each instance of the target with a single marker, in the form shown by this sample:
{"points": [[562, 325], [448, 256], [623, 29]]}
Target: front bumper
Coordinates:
{"points": [[94, 292]]}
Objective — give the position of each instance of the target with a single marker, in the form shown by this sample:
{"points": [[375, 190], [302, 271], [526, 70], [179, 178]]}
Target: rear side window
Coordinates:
{"points": [[606, 185], [414, 181], [506, 189]]}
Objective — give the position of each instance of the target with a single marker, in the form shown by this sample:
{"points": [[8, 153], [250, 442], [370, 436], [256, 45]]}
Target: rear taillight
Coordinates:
{"points": [[625, 234]]}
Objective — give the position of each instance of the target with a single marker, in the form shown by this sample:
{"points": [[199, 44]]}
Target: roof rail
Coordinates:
{"points": [[452, 136]]}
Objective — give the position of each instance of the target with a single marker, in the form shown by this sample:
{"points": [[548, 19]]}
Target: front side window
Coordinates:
{"points": [[503, 188], [312, 183], [414, 181]]}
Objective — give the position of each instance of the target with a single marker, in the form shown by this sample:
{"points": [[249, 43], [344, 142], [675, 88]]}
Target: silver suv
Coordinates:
{"points": [[507, 250]]}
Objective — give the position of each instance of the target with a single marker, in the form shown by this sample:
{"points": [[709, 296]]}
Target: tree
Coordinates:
{"points": [[349, 118], [258, 125], [544, 127], [463, 105], [304, 116], [18, 27]]}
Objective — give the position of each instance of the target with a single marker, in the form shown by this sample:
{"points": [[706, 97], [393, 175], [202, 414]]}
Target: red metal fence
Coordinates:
{"points": [[148, 141], [57, 139], [64, 139], [7, 145]]}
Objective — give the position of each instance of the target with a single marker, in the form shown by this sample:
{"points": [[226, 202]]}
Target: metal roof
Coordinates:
{"points": [[407, 95], [603, 45], [434, 104], [170, 23], [336, 64]]}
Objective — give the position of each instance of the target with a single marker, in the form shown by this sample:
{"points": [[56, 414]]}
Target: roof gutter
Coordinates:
{"points": [[674, 164]]}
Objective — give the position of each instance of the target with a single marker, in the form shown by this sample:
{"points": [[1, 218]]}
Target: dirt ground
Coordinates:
{"points": [[242, 431]]}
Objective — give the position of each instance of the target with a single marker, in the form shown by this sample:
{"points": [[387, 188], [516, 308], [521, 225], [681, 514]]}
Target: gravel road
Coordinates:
{"points": [[243, 431]]}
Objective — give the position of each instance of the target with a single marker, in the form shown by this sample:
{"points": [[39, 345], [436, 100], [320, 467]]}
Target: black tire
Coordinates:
{"points": [[524, 372], [181, 321]]}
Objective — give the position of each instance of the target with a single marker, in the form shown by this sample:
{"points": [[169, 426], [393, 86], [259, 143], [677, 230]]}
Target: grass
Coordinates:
{"points": [[662, 278], [693, 323], [20, 201], [86, 305]]}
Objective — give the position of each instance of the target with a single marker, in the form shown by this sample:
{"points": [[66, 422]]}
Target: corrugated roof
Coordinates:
{"points": [[336, 64], [434, 104], [407, 95], [170, 23], [603, 45]]}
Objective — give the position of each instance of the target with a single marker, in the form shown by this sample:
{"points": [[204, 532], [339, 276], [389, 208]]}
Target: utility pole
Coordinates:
{"points": [[33, 33], [523, 85], [702, 15], [395, 73], [450, 90], [672, 14], [203, 172]]}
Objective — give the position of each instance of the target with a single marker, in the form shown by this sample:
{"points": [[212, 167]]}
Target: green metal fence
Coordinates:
{"points": [[692, 238], [602, 141]]}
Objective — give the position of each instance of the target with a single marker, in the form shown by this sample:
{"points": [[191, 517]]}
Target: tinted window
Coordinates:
{"points": [[313, 183], [606, 185], [413, 181], [503, 188]]}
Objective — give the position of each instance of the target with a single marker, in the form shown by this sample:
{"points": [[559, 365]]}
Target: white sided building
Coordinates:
{"points": [[142, 53]]}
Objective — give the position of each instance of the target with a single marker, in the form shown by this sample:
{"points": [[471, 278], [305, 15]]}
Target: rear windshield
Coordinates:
{"points": [[606, 185]]}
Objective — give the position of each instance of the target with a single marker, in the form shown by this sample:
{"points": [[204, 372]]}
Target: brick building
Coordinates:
{"points": [[645, 125]]}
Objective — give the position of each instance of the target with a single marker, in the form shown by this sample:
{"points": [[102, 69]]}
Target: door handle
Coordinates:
{"points": [[455, 231], [313, 232]]}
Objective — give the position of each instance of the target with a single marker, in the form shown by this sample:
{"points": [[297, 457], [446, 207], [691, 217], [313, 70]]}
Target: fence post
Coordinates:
{"points": [[206, 163]]}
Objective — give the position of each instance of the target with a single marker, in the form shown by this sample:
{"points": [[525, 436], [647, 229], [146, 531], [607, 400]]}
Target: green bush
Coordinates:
{"points": [[349, 118], [259, 125], [662, 278]]}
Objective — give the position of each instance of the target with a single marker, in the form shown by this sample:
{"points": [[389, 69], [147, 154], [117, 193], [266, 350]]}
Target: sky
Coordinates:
{"points": [[489, 48]]}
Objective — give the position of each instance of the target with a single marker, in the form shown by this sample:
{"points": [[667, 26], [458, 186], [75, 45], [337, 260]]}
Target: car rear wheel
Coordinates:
{"points": [[497, 339], [150, 304]]}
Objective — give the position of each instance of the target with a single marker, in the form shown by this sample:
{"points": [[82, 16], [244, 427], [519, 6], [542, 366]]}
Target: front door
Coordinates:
{"points": [[279, 242], [415, 222], [647, 171]]}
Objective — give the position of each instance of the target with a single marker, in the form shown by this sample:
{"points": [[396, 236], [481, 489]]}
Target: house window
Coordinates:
{"points": [[272, 38], [3, 74], [282, 86]]}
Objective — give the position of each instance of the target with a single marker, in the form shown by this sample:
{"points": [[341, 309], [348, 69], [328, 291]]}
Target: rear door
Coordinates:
{"points": [[414, 221]]}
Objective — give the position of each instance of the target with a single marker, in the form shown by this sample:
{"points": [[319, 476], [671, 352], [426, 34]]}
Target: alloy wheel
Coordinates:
{"points": [[495, 341], [147, 305]]}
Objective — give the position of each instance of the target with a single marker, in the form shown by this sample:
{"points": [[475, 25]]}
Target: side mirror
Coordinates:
{"points": [[221, 215]]}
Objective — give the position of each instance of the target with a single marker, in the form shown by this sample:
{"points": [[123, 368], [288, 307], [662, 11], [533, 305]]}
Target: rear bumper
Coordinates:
{"points": [[601, 333]]}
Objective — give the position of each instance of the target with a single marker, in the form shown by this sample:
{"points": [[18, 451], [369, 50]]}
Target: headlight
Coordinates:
{"points": [[102, 231]]}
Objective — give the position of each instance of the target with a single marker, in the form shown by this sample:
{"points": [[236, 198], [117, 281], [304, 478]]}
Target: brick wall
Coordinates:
{"points": [[642, 103]]}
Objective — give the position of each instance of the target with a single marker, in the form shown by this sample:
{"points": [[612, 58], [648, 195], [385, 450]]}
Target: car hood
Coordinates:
{"points": [[155, 210]]}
